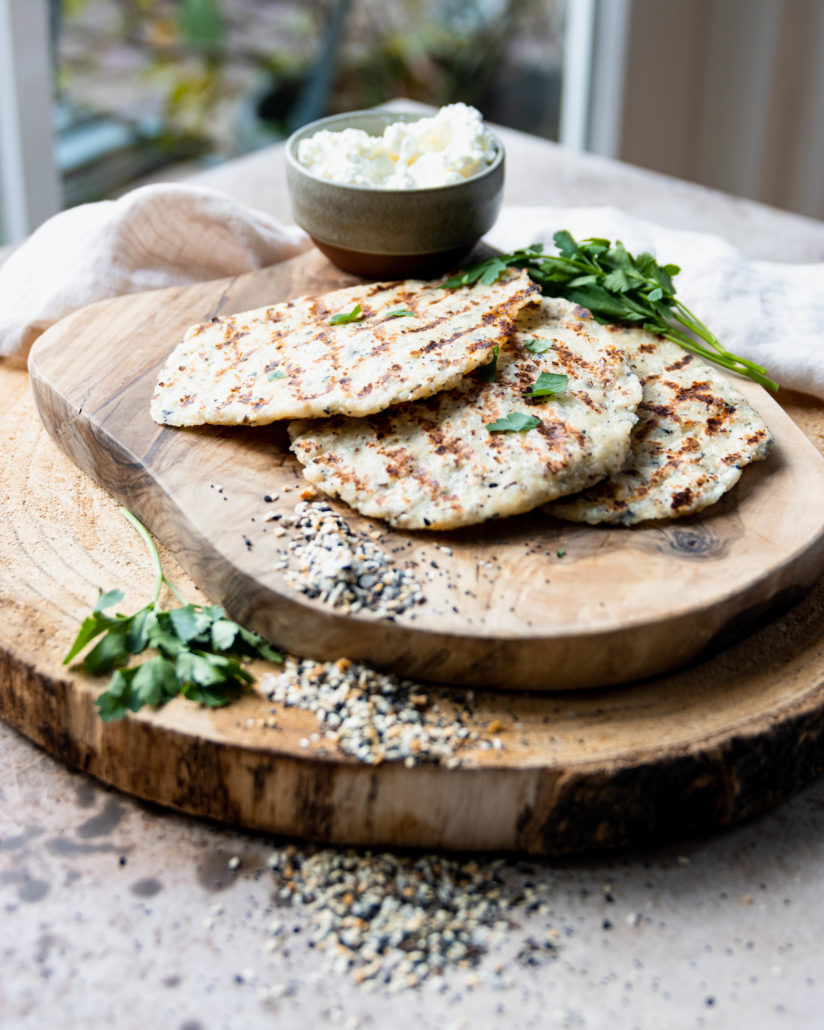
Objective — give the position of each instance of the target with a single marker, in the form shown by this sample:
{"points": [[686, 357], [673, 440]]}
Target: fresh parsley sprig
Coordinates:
{"points": [[492, 268], [616, 287], [198, 649]]}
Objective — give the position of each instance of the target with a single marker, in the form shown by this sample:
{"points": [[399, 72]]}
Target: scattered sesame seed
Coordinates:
{"points": [[396, 921], [329, 562], [374, 716]]}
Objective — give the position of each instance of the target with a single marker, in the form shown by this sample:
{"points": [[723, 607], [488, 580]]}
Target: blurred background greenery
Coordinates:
{"points": [[142, 85]]}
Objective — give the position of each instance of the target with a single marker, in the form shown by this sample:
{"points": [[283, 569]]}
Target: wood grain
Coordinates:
{"points": [[668, 757], [526, 603]]}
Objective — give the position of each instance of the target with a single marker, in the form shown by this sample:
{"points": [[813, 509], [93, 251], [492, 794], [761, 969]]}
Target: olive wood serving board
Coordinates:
{"points": [[523, 603], [667, 757]]}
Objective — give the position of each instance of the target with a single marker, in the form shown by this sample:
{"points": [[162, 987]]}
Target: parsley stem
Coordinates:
{"points": [[718, 355], [160, 578], [695, 325]]}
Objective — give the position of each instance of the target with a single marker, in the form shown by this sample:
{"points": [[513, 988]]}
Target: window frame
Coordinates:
{"points": [[29, 181]]}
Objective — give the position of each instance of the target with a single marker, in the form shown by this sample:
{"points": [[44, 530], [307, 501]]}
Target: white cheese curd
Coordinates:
{"points": [[448, 147]]}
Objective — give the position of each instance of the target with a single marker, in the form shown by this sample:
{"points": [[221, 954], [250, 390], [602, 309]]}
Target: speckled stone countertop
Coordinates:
{"points": [[116, 913]]}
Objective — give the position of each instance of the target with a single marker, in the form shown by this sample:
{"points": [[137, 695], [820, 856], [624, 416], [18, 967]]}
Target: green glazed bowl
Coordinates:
{"points": [[391, 234]]}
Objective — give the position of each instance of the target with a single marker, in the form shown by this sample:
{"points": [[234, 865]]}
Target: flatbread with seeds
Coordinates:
{"points": [[695, 433], [434, 464], [407, 340]]}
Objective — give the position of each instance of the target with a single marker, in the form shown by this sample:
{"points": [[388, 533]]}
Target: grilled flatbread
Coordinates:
{"points": [[695, 433], [290, 360], [434, 464]]}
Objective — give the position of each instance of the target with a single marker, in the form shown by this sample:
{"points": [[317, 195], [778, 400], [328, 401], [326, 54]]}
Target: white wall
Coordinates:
{"points": [[727, 93]]}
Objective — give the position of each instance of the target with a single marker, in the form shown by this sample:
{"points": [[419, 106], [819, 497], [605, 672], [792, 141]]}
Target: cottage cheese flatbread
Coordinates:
{"points": [[695, 434], [289, 361], [434, 464]]}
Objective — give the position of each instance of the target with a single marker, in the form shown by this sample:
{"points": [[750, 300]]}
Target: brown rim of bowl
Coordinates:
{"points": [[394, 266]]}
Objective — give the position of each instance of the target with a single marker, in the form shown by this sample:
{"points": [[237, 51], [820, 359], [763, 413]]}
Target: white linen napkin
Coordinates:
{"points": [[154, 236], [166, 235]]}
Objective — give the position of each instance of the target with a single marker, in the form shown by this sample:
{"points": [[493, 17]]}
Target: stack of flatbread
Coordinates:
{"points": [[411, 403]]}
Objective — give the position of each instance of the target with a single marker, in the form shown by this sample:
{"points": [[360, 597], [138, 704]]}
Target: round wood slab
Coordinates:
{"points": [[667, 757], [523, 603]]}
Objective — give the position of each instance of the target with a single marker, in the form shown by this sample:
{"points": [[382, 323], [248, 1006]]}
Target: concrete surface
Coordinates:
{"points": [[115, 913]]}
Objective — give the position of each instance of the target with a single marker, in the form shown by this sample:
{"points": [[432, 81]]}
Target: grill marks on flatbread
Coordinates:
{"points": [[288, 361], [428, 460], [694, 436], [434, 464]]}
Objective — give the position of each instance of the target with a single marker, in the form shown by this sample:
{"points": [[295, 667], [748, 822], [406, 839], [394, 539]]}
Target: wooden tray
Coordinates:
{"points": [[668, 757], [525, 603]]}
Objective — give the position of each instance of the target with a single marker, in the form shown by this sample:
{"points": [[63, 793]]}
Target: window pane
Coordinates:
{"points": [[149, 86]]}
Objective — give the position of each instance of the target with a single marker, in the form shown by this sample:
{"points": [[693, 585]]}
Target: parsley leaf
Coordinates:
{"points": [[96, 623], [492, 268], [198, 649], [116, 701], [108, 599], [276, 374], [615, 287], [189, 622], [223, 634], [537, 346], [546, 384], [355, 315], [400, 313], [514, 422], [154, 682], [486, 373]]}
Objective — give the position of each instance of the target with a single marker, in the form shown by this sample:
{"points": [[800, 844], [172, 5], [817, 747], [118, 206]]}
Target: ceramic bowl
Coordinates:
{"points": [[391, 234]]}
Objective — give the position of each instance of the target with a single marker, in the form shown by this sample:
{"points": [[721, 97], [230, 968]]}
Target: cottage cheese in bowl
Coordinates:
{"points": [[392, 195], [449, 147]]}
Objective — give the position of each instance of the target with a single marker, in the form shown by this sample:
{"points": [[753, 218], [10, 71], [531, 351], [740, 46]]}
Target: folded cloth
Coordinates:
{"points": [[768, 312], [160, 235], [169, 235]]}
